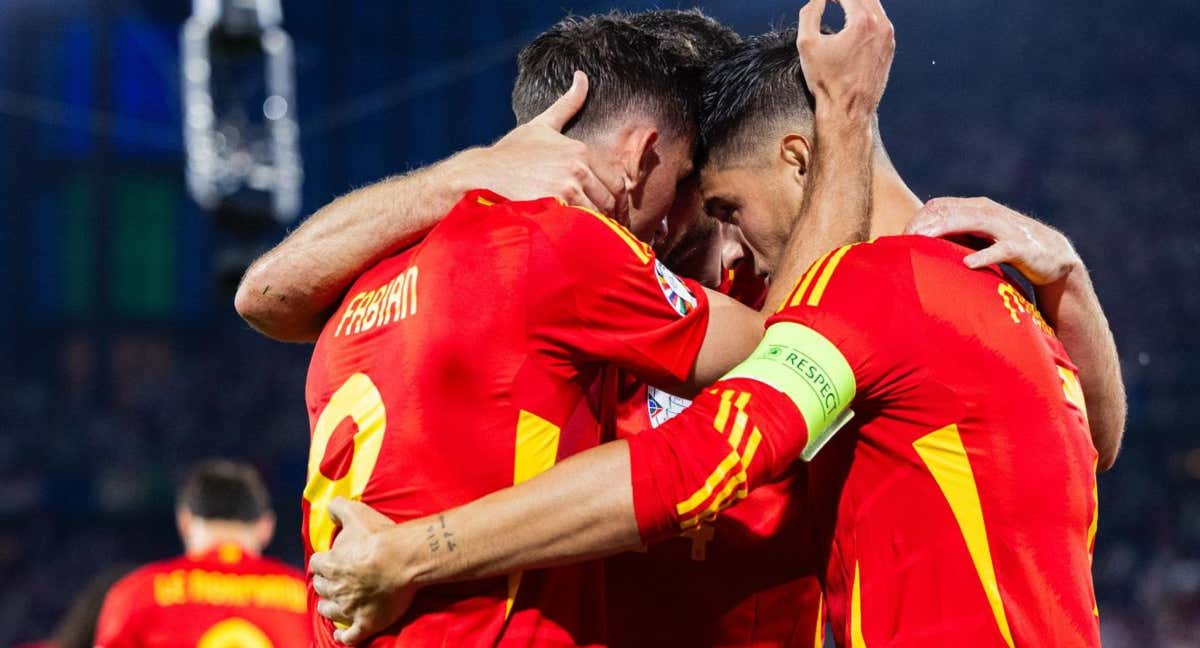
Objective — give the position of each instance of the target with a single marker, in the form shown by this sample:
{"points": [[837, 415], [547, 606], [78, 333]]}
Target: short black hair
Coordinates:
{"points": [[220, 489], [628, 67], [748, 91], [702, 37]]}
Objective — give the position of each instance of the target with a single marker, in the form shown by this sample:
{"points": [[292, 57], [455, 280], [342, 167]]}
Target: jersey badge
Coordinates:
{"points": [[663, 407], [677, 294]]}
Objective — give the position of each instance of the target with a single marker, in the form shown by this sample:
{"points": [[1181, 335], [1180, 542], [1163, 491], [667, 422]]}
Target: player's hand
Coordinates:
{"points": [[846, 71], [536, 160], [1043, 254], [359, 580]]}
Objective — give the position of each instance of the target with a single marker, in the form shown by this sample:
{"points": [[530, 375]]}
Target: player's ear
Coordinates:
{"points": [[639, 156], [184, 522], [264, 529], [795, 151]]}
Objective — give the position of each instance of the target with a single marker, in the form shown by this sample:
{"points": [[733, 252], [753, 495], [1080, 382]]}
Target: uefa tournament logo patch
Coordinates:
{"points": [[662, 406], [677, 294]]}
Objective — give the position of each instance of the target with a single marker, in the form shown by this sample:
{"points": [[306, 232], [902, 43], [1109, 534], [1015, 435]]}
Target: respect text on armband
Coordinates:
{"points": [[807, 369]]}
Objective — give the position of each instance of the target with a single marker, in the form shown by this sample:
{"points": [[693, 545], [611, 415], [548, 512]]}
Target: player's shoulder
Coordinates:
{"points": [[574, 227], [890, 248], [137, 587], [856, 276], [894, 260]]}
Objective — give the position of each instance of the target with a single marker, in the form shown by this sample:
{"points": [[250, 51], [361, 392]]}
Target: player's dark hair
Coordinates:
{"points": [[629, 68], [219, 489], [702, 37], [759, 83]]}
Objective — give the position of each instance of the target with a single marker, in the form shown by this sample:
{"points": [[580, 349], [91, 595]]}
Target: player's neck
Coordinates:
{"points": [[211, 535], [893, 204]]}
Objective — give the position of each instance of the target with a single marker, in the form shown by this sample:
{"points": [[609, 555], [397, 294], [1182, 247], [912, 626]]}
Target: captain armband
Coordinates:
{"points": [[811, 371]]}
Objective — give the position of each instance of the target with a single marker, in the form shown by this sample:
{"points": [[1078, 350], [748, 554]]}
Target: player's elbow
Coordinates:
{"points": [[267, 310], [1108, 436]]}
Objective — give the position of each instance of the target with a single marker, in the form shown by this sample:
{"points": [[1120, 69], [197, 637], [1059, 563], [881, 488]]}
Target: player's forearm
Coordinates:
{"points": [[611, 498], [1073, 308], [289, 292], [837, 202], [578, 510]]}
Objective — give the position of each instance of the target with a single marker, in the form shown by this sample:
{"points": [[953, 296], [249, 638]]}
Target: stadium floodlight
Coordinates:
{"points": [[239, 104]]}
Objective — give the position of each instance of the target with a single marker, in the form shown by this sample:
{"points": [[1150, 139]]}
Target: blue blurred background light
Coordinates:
{"points": [[124, 360]]}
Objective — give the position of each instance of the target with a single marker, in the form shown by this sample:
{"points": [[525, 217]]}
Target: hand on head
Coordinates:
{"points": [[846, 71], [536, 160]]}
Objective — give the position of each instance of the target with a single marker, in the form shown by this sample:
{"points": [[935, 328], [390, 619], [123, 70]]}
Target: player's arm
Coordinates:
{"points": [[290, 291], [1065, 294], [837, 213]]}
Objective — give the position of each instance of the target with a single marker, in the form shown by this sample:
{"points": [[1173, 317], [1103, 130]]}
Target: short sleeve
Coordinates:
{"points": [[622, 305], [861, 298]]}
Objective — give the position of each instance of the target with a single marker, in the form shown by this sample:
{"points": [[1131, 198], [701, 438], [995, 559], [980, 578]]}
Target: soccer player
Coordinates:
{"points": [[223, 592], [902, 379]]}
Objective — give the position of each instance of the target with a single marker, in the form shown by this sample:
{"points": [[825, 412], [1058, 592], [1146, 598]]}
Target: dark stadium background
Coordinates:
{"points": [[123, 360]]}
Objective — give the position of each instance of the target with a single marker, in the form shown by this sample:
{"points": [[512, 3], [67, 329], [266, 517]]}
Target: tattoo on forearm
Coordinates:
{"points": [[438, 535]]}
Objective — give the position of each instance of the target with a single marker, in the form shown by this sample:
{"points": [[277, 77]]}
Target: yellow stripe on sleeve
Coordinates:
{"points": [[704, 492], [737, 483], [798, 294], [752, 444], [739, 420], [722, 417], [818, 290]]}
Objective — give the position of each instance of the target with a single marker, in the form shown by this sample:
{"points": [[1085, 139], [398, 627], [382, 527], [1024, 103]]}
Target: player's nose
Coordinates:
{"points": [[732, 250], [660, 232]]}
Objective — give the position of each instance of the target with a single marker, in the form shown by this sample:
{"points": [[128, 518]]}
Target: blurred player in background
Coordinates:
{"points": [[223, 592]]}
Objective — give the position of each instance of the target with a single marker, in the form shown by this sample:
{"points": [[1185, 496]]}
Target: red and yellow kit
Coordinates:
{"points": [[450, 371], [224, 597], [747, 579], [957, 507], [743, 284]]}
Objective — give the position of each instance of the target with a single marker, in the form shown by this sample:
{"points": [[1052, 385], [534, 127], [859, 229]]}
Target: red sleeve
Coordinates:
{"points": [[617, 303], [861, 318], [114, 626], [737, 435], [862, 298]]}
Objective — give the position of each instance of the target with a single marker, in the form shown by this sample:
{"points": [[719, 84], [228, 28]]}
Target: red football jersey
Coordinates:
{"points": [[224, 597], [748, 579], [958, 506], [451, 370], [743, 284]]}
